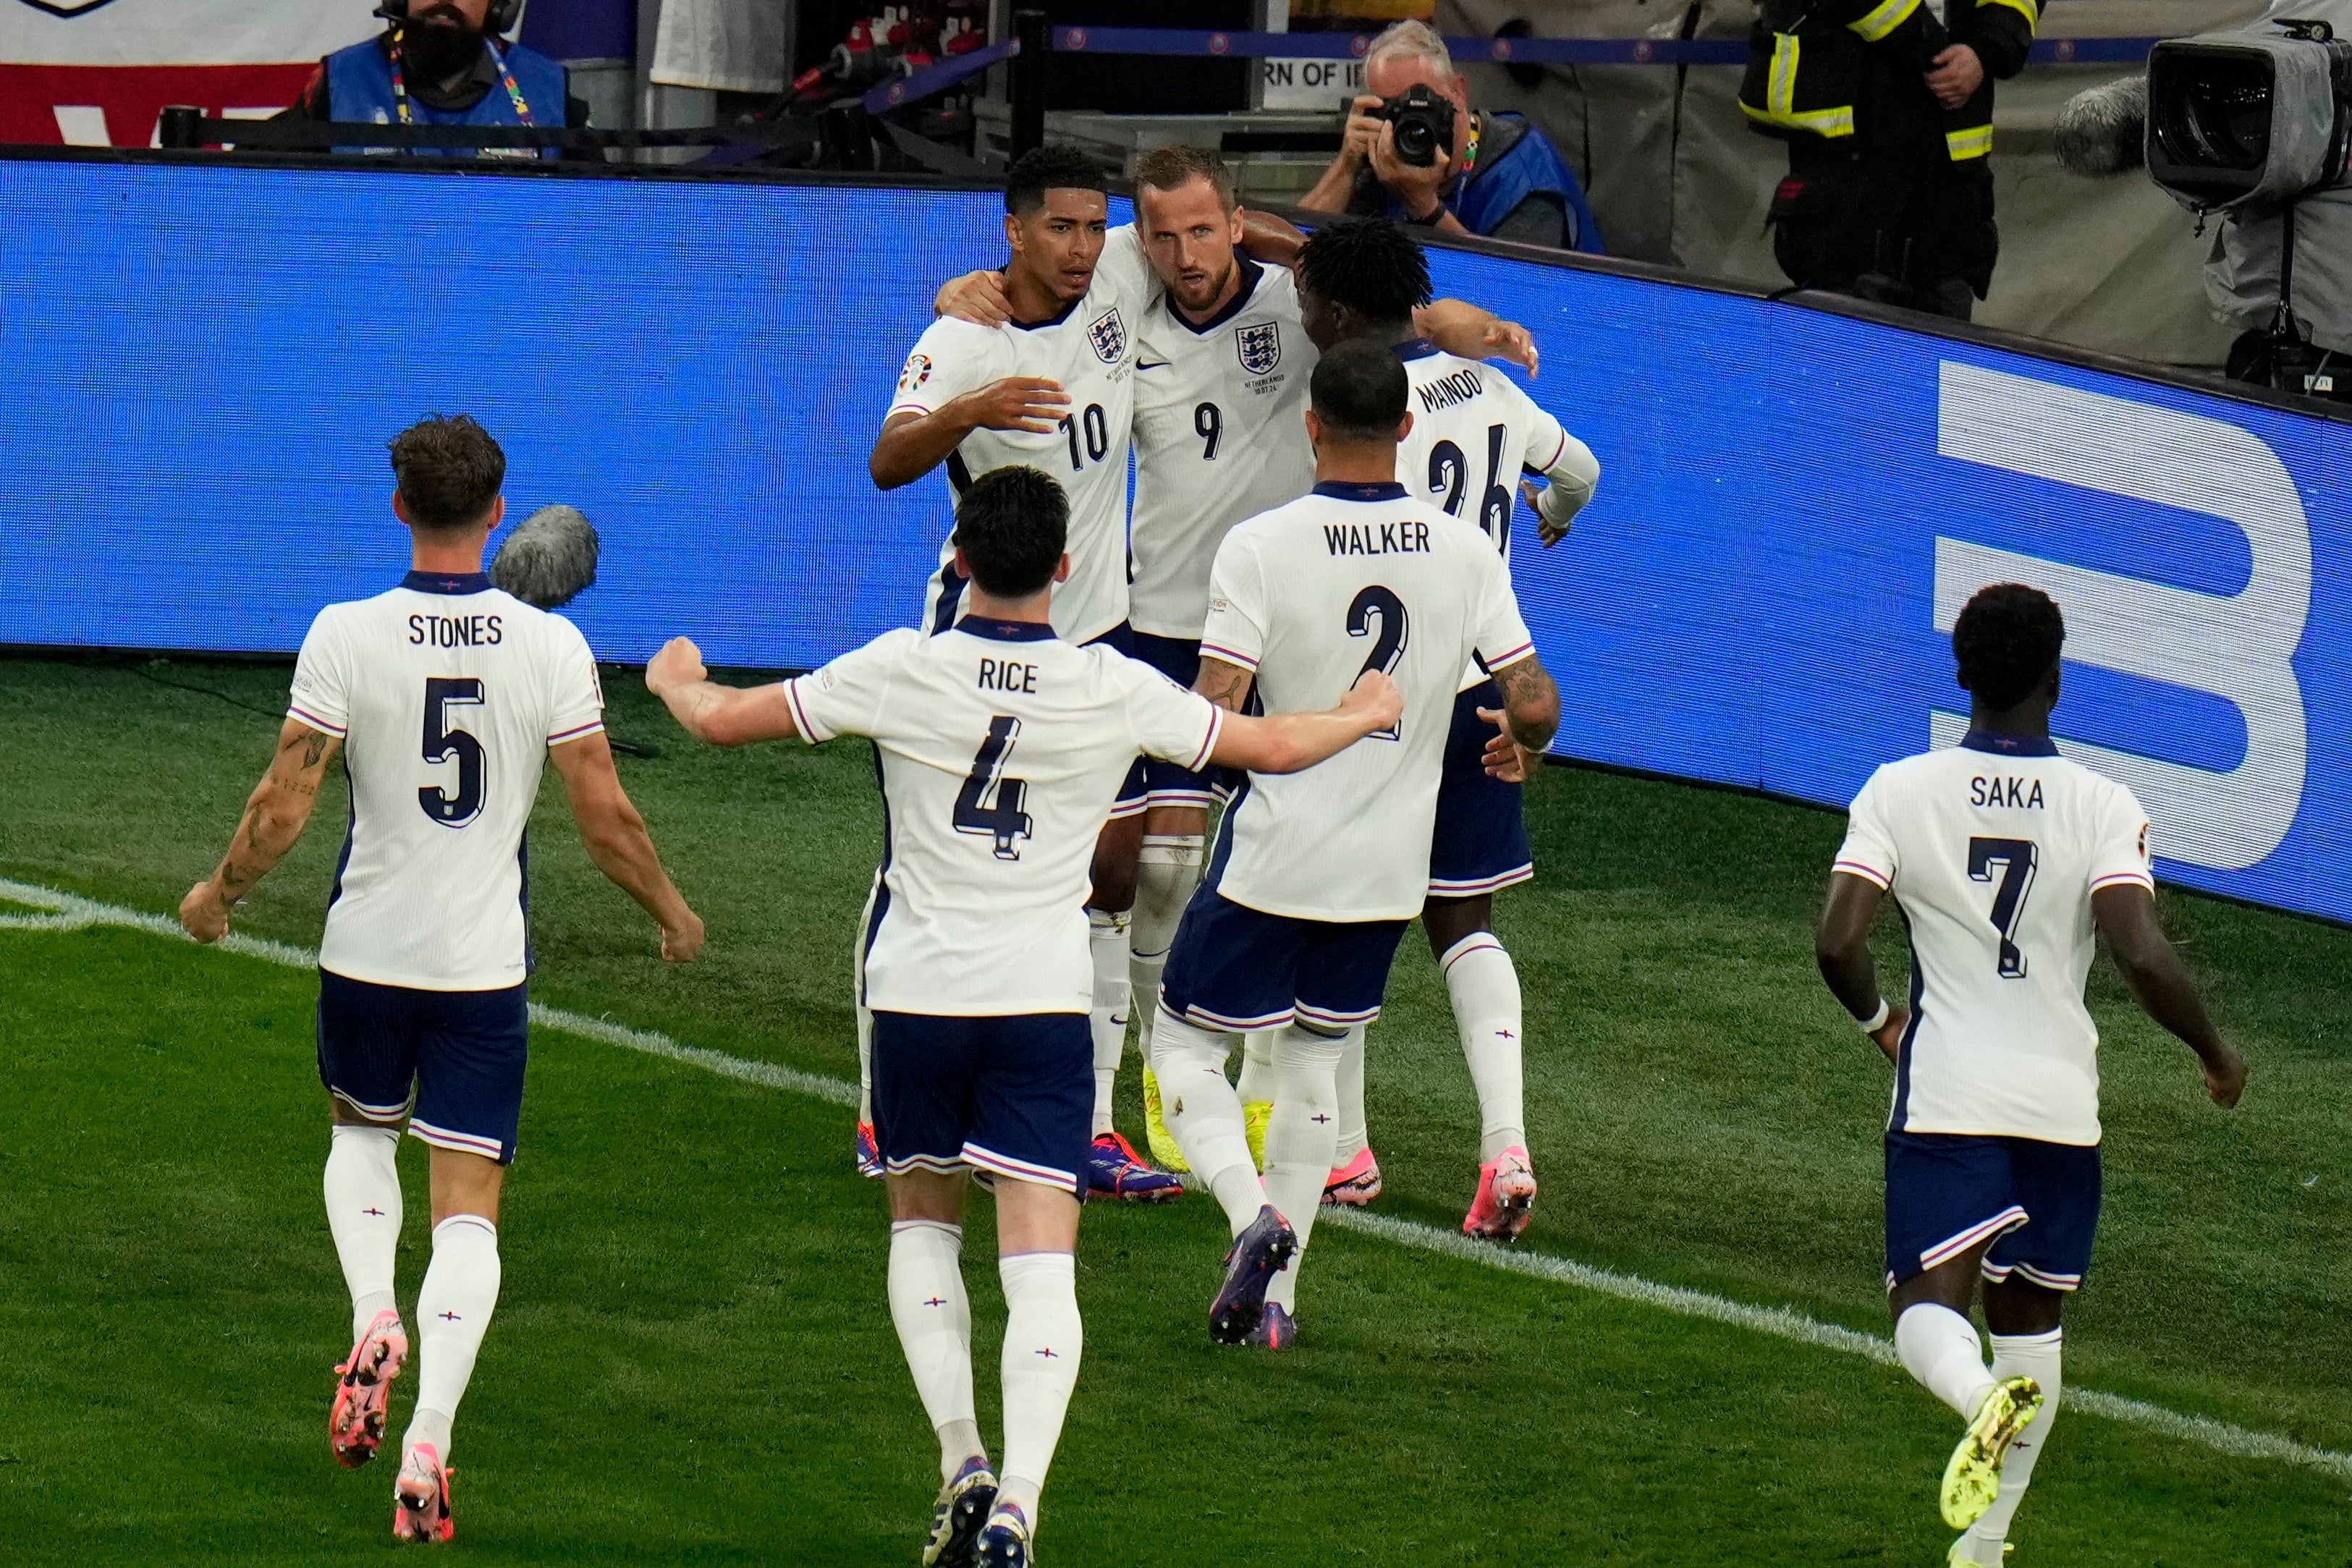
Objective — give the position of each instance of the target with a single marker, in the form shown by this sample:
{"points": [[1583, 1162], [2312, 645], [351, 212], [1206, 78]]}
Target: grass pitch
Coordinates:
{"points": [[693, 1362]]}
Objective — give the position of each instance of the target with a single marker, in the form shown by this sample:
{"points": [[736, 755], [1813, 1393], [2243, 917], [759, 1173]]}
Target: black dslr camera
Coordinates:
{"points": [[1424, 124]]}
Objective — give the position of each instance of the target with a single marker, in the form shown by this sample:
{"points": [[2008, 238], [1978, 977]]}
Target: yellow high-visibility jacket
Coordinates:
{"points": [[1826, 70]]}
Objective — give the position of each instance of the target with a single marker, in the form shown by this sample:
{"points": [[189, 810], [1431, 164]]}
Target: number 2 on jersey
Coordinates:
{"points": [[444, 743], [1004, 821], [2015, 859], [1380, 604]]}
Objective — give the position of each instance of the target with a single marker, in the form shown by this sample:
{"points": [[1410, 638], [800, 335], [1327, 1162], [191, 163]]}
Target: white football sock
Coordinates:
{"points": [[1203, 1112], [363, 1214], [1940, 1348], [1353, 1136], [934, 1322], [453, 1312], [1256, 1084], [1169, 871], [1043, 1339], [2017, 1355], [1106, 939], [1485, 992], [1301, 1138]]}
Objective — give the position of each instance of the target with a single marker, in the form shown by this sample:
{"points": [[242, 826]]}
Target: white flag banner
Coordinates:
{"points": [[99, 72], [733, 46]]}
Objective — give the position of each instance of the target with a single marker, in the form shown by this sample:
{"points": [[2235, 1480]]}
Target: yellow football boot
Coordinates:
{"points": [[1165, 1150], [1972, 1479], [1254, 1121]]}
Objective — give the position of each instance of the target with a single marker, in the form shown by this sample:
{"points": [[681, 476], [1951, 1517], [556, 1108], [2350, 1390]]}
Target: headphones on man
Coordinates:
{"points": [[498, 24]]}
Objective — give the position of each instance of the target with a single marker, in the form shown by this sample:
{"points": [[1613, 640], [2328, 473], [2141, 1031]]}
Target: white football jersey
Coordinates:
{"points": [[446, 693], [1993, 850], [1347, 579], [1220, 435], [1001, 747], [1090, 349]]}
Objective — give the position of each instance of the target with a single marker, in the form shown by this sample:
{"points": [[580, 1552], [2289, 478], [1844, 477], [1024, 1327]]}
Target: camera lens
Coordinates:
{"points": [[1416, 140], [2217, 115]]}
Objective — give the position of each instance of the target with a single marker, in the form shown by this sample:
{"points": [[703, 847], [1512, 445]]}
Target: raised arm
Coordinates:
{"points": [[617, 842], [1269, 239], [1842, 948], [2159, 982], [275, 816], [1468, 332], [912, 444], [723, 716], [1289, 742]]}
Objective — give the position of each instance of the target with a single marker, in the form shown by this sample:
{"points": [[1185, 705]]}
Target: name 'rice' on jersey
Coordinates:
{"points": [[447, 694], [1000, 746], [1090, 349], [1220, 435], [1993, 849], [1347, 579]]}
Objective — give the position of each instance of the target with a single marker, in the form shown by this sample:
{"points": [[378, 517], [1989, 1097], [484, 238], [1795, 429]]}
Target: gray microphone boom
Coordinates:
{"points": [[549, 560], [2104, 131]]}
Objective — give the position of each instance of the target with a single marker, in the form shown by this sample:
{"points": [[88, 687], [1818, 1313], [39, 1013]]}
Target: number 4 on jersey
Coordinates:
{"points": [[1004, 821]]}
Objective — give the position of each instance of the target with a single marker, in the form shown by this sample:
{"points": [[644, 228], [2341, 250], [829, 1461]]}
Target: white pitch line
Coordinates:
{"points": [[69, 912]]}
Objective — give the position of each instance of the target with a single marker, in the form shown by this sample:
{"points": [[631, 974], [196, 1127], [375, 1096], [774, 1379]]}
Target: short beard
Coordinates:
{"points": [[438, 51], [1215, 290]]}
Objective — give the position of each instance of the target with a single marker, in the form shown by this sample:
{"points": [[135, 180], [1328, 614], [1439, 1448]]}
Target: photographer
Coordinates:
{"points": [[1418, 151]]}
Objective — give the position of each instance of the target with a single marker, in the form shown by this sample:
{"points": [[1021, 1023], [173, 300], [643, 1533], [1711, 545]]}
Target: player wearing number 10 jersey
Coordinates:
{"points": [[999, 743], [2009, 860], [422, 1010]]}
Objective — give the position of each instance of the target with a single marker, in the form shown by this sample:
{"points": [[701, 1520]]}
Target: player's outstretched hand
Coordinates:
{"points": [[1509, 340], [1375, 697], [1548, 531], [682, 942], [977, 298], [1505, 759], [205, 914], [680, 664], [1888, 1037], [2225, 1080], [1032, 404]]}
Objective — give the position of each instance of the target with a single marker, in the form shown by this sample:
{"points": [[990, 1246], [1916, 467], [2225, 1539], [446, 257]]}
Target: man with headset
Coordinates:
{"points": [[445, 62]]}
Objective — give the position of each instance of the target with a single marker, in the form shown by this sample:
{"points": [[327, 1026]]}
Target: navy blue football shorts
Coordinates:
{"points": [[451, 1061], [1169, 783], [1480, 842], [1238, 968], [1011, 1095], [1946, 1192]]}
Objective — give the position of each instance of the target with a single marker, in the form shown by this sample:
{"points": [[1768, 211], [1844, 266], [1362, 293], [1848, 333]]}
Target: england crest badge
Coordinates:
{"points": [[1107, 333], [1259, 345]]}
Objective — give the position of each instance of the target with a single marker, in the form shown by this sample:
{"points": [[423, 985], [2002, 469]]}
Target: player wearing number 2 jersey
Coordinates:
{"points": [[999, 743], [446, 699], [2009, 860], [1474, 433]]}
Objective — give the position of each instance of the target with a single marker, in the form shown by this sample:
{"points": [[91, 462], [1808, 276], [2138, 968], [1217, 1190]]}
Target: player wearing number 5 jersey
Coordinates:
{"points": [[446, 699], [1000, 746], [1314, 877], [2009, 862]]}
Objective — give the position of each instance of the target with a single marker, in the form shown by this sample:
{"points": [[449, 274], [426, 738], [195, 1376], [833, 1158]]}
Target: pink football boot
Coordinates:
{"points": [[420, 1499], [355, 1422], [1506, 1195], [1355, 1184]]}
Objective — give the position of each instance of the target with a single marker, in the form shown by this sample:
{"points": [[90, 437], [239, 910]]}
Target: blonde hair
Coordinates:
{"points": [[1415, 40]]}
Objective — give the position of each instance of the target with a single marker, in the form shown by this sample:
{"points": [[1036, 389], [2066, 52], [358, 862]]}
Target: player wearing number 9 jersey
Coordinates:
{"points": [[1474, 433], [446, 699], [999, 743], [2009, 860]]}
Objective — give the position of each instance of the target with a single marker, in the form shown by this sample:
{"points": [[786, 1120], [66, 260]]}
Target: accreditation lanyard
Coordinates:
{"points": [[506, 75]]}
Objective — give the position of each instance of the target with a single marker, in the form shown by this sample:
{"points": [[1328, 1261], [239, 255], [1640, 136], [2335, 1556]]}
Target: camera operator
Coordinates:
{"points": [[1418, 151], [445, 62], [1886, 106]]}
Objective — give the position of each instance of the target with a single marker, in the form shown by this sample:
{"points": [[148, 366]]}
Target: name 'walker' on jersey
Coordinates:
{"points": [[1993, 850], [446, 692], [1091, 350], [1347, 579], [1001, 747]]}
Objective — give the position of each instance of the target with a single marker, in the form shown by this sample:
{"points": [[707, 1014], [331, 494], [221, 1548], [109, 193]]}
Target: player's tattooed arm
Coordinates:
{"points": [[1226, 685], [1531, 709], [912, 444], [275, 816], [1842, 948], [1287, 742], [723, 716], [2159, 982], [1466, 331]]}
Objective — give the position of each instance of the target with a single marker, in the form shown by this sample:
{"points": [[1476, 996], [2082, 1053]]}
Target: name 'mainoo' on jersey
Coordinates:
{"points": [[1450, 391], [1403, 538]]}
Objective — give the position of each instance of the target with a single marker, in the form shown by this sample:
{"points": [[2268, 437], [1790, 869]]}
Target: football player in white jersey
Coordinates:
{"points": [[1000, 745], [1474, 434], [2010, 862], [422, 973], [1315, 877]]}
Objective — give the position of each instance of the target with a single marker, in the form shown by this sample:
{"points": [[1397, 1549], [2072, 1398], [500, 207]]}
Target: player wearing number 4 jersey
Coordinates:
{"points": [[422, 1013], [1474, 434], [1000, 745], [1314, 878], [2009, 860]]}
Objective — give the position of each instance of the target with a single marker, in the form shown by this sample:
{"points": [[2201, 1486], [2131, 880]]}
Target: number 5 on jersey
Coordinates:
{"points": [[1004, 821], [444, 743]]}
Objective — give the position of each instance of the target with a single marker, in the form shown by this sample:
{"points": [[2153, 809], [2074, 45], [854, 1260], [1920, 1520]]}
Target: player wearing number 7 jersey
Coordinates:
{"points": [[1000, 746], [2009, 860], [422, 1011]]}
